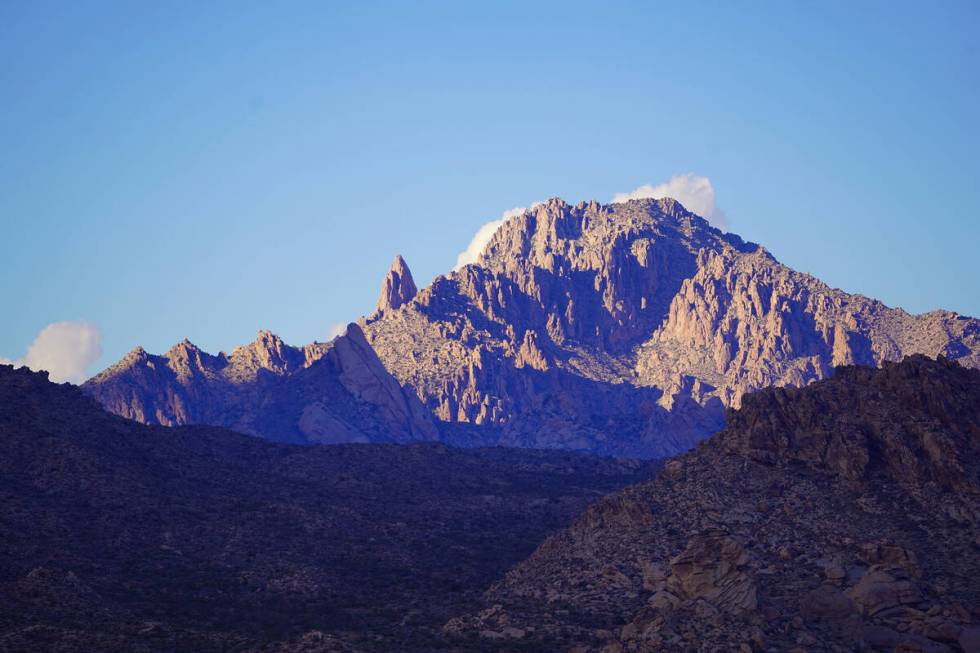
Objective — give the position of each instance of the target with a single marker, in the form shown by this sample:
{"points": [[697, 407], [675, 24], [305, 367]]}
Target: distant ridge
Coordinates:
{"points": [[322, 393]]}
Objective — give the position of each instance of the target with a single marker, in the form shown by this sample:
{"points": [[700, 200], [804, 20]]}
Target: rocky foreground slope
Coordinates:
{"points": [[123, 537], [624, 329], [844, 516]]}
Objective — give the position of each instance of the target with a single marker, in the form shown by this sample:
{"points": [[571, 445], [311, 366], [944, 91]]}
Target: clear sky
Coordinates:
{"points": [[204, 170]]}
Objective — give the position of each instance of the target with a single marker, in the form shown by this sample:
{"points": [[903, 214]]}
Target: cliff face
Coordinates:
{"points": [[629, 328], [324, 392], [837, 517], [623, 329]]}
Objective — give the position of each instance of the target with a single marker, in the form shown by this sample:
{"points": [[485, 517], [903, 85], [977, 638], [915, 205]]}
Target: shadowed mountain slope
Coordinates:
{"points": [[322, 393], [842, 516], [119, 536]]}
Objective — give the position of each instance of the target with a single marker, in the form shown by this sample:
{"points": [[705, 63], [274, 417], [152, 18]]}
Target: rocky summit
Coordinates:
{"points": [[628, 329], [844, 516], [624, 329]]}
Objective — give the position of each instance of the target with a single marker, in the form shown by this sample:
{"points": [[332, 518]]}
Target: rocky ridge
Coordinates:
{"points": [[322, 393], [623, 329], [628, 328], [838, 517]]}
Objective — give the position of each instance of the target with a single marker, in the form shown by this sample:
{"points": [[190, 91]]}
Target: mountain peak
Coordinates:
{"points": [[185, 346], [136, 353], [266, 339], [271, 351], [398, 287]]}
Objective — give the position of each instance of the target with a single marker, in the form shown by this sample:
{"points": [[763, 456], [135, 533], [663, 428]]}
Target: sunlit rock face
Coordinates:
{"points": [[623, 329], [398, 287], [628, 329]]}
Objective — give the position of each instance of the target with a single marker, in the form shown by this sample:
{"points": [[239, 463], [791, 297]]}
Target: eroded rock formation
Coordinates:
{"points": [[398, 287], [628, 328], [622, 329]]}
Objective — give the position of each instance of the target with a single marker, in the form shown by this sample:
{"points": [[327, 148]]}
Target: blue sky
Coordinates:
{"points": [[172, 170]]}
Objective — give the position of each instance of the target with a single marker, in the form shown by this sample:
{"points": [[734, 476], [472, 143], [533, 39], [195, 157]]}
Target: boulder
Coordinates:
{"points": [[879, 590], [714, 567]]}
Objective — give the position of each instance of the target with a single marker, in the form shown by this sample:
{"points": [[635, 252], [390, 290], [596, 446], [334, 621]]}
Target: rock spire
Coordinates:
{"points": [[398, 287]]}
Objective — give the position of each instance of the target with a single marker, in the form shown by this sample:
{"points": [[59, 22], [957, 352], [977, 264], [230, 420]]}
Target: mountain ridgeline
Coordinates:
{"points": [[623, 329]]}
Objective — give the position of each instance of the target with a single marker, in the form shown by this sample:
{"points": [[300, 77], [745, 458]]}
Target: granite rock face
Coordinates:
{"points": [[398, 287], [622, 329], [321, 393], [761, 539], [629, 328]]}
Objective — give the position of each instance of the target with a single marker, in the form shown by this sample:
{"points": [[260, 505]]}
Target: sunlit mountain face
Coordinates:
{"points": [[623, 329]]}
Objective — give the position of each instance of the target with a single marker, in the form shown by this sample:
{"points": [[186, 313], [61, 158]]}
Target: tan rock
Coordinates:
{"points": [[891, 556], [398, 287], [879, 590], [714, 567], [969, 639], [663, 600], [827, 603], [654, 575]]}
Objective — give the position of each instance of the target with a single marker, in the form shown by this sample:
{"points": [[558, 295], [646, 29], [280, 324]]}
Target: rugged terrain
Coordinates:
{"points": [[842, 516], [628, 328], [119, 536], [624, 329], [322, 393]]}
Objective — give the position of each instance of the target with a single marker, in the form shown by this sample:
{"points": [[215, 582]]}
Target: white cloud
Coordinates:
{"points": [[693, 191], [64, 349], [483, 235], [338, 329]]}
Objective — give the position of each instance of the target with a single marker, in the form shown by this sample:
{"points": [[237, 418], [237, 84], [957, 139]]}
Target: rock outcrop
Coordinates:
{"points": [[629, 328], [926, 432], [324, 392], [764, 538], [714, 568], [398, 287]]}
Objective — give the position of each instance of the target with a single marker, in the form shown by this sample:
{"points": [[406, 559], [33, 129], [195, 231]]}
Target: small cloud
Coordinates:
{"points": [[483, 235], [65, 350], [336, 331], [693, 191]]}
